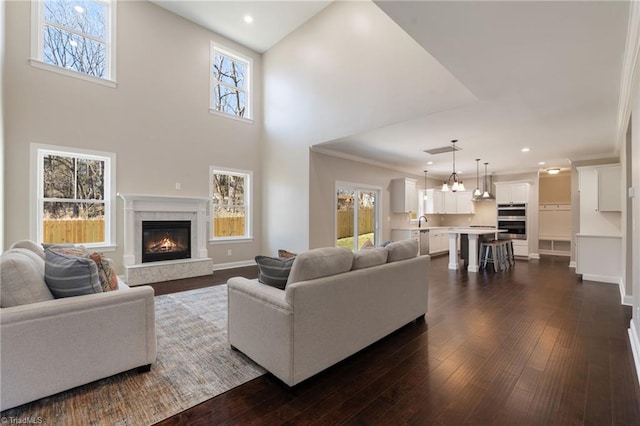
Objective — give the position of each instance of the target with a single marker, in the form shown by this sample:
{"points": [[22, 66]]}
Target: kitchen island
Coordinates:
{"points": [[473, 251]]}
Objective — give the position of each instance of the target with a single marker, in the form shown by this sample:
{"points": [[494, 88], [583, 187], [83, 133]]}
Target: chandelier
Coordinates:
{"points": [[454, 183]]}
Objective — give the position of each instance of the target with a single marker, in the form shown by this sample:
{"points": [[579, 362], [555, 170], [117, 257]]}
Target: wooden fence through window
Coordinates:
{"points": [[366, 221], [73, 231]]}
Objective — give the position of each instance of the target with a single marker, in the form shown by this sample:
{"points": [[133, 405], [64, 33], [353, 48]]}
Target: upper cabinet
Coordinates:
{"points": [[512, 193], [609, 193], [435, 201], [439, 202], [600, 191], [404, 196]]}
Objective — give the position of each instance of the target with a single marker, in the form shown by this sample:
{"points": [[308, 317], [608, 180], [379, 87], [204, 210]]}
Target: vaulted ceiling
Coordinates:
{"points": [[543, 75]]}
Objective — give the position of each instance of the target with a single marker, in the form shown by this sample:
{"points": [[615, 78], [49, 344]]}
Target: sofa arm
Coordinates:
{"points": [[51, 346], [260, 324]]}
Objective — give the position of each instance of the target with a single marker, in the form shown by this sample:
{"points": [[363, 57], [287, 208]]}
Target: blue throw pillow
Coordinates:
{"points": [[69, 275]]}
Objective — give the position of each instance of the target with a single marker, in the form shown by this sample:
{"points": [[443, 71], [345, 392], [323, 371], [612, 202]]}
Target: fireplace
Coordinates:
{"points": [[166, 240]]}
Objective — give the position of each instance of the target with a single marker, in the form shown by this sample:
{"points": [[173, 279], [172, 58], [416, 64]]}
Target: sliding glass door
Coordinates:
{"points": [[356, 216]]}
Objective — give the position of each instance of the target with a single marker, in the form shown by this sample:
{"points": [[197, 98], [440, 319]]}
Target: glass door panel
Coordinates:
{"points": [[356, 225]]}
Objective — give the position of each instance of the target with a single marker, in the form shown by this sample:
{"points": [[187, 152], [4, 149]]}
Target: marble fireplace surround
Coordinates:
{"points": [[153, 207]]}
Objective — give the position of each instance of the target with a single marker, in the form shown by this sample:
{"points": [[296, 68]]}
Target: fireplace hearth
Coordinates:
{"points": [[166, 240]]}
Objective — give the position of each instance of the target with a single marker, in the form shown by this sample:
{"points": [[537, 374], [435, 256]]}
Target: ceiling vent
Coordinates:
{"points": [[442, 150]]}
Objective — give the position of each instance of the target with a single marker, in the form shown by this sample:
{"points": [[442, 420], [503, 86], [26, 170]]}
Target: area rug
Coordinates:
{"points": [[195, 363]]}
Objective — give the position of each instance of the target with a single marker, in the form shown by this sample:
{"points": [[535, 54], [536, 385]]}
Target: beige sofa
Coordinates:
{"points": [[57, 344], [335, 303]]}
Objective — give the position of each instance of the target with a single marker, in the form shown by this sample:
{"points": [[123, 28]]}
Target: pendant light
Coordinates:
{"points": [[486, 195], [476, 192], [453, 183], [425, 186]]}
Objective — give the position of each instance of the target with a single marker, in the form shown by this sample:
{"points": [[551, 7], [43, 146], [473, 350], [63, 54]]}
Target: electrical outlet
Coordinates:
{"points": [[229, 252], [178, 186]]}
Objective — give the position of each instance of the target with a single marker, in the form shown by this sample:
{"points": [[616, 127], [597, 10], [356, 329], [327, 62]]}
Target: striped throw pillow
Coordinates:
{"points": [[274, 271], [68, 275]]}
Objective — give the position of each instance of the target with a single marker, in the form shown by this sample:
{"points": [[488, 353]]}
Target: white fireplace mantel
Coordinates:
{"points": [[139, 207]]}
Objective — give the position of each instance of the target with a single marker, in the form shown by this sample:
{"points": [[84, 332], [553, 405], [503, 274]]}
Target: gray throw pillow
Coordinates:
{"points": [[274, 271], [67, 275]]}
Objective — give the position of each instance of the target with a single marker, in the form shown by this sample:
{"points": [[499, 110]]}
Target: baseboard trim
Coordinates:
{"points": [[232, 265], [601, 278], [624, 299], [635, 347]]}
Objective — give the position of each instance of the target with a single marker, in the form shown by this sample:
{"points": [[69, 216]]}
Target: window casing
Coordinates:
{"points": [[75, 37], [230, 83], [230, 192], [74, 196]]}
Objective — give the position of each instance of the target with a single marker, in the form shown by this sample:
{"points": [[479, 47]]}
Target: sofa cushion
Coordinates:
{"points": [[368, 258], [320, 262], [274, 271], [69, 275], [22, 279], [29, 245], [400, 250]]}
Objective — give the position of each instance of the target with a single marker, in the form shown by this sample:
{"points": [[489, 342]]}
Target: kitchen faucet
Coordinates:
{"points": [[420, 220]]}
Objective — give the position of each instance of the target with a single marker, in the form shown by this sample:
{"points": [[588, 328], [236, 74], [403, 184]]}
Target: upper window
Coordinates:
{"points": [[230, 83], [75, 196], [230, 208], [75, 36]]}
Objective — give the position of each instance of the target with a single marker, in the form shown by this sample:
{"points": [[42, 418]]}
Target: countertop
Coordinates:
{"points": [[457, 229]]}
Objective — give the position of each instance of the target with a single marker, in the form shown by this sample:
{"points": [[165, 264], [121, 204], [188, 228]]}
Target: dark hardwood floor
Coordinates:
{"points": [[530, 346]]}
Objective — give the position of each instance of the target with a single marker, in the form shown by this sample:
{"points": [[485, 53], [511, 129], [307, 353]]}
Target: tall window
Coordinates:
{"points": [[74, 36], [230, 83], [75, 193], [230, 208]]}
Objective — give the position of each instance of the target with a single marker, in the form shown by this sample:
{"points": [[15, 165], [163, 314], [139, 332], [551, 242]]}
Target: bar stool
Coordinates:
{"points": [[493, 252], [511, 258]]}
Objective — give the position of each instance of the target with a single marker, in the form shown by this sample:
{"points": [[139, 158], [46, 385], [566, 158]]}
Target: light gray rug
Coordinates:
{"points": [[195, 363]]}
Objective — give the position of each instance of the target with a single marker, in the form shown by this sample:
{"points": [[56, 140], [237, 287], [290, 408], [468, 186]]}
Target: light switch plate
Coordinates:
{"points": [[632, 192]]}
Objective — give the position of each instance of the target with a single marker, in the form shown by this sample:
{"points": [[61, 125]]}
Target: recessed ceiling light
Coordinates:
{"points": [[429, 162], [525, 150], [248, 19], [542, 163], [78, 8]]}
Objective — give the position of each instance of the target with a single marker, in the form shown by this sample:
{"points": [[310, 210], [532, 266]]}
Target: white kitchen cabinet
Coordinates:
{"points": [[464, 202], [609, 193], [599, 257], [404, 196], [438, 241], [405, 234], [596, 218], [512, 193], [450, 202], [435, 201], [439, 202], [521, 248]]}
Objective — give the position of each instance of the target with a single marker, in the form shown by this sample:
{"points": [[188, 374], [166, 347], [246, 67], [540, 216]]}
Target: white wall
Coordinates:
{"points": [[2, 46], [156, 120], [328, 79]]}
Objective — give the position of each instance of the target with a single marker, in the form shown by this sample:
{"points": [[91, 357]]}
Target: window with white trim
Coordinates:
{"points": [[230, 204], [75, 37], [230, 83], [75, 196]]}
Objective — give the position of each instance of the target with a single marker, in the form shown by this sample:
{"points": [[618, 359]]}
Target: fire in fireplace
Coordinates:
{"points": [[166, 240]]}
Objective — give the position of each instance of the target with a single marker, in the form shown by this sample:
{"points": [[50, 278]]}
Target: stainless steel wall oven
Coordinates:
{"points": [[513, 218]]}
